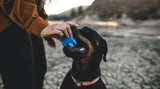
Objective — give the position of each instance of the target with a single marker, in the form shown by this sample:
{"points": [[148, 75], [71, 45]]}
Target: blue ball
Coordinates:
{"points": [[69, 42]]}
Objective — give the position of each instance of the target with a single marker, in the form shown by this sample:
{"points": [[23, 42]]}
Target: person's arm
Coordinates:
{"points": [[24, 13], [1, 2]]}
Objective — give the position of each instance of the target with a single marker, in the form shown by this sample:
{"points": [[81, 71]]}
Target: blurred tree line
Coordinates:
{"points": [[135, 9], [75, 13]]}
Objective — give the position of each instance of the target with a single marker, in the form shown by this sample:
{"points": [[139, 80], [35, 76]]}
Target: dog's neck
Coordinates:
{"points": [[85, 75]]}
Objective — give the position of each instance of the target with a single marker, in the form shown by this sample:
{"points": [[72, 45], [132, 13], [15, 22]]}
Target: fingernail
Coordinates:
{"points": [[77, 25]]}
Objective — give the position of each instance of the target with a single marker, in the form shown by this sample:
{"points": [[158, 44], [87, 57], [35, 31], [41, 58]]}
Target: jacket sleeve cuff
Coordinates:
{"points": [[37, 26]]}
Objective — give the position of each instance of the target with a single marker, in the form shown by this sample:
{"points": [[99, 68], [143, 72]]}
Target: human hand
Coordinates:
{"points": [[56, 31]]}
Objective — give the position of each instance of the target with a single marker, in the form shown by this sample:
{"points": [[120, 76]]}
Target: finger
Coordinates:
{"points": [[58, 38], [65, 32], [72, 24], [57, 32], [61, 34], [69, 31]]}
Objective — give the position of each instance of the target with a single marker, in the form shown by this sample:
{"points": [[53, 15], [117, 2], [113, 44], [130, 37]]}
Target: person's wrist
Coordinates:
{"points": [[41, 34]]}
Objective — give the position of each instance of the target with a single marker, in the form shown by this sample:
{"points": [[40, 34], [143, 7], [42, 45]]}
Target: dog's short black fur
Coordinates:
{"points": [[91, 48]]}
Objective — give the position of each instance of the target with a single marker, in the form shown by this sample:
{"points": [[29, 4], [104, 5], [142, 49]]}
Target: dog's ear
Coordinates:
{"points": [[104, 50]]}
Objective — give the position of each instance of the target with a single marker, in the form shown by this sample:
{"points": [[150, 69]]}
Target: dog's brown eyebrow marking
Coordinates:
{"points": [[85, 60], [97, 43]]}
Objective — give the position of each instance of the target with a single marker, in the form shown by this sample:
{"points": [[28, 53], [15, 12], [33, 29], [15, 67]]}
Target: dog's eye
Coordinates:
{"points": [[97, 43]]}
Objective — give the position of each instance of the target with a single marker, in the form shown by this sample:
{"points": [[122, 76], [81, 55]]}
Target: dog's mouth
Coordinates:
{"points": [[77, 52], [80, 50]]}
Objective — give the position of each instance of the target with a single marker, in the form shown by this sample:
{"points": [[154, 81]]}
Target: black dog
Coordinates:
{"points": [[87, 55]]}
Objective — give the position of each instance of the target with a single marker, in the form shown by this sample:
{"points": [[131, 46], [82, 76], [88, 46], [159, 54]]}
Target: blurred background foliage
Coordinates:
{"points": [[115, 9], [135, 9]]}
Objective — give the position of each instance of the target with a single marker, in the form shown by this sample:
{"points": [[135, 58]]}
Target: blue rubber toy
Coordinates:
{"points": [[69, 42]]}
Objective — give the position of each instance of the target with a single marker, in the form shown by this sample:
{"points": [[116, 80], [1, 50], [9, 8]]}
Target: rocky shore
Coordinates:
{"points": [[133, 60]]}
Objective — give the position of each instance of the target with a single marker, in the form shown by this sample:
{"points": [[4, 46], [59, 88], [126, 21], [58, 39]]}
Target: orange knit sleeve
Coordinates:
{"points": [[24, 13]]}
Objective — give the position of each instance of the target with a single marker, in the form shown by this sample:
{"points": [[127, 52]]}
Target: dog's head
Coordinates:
{"points": [[91, 48]]}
